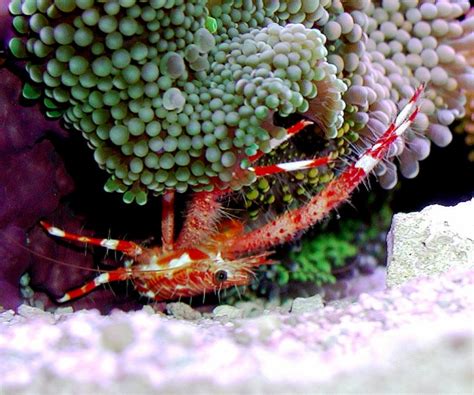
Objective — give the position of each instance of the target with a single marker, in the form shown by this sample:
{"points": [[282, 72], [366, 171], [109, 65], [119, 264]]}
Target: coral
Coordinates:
{"points": [[467, 125], [406, 43], [137, 81], [188, 96], [424, 44], [183, 107]]}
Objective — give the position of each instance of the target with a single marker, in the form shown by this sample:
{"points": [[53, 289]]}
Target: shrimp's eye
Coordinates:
{"points": [[220, 276]]}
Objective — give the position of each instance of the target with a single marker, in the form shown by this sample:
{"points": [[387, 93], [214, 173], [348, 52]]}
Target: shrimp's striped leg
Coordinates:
{"points": [[275, 142], [167, 220], [286, 226], [104, 278], [127, 247], [410, 106], [261, 171]]}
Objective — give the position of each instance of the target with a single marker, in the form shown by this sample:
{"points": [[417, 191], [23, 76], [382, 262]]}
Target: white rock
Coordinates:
{"points": [[183, 311], [63, 311], [306, 305], [430, 242], [228, 311], [6, 316], [251, 309], [34, 312]]}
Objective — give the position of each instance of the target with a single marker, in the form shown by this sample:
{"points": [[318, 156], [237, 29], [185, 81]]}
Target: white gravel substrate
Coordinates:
{"points": [[415, 338]]}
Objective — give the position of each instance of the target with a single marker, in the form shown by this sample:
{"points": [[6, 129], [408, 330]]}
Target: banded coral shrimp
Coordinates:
{"points": [[210, 254]]}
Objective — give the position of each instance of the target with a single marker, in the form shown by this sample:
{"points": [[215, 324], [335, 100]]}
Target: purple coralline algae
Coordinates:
{"points": [[32, 182]]}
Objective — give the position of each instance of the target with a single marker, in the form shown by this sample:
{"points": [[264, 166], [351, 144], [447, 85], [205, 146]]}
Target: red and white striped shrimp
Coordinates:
{"points": [[210, 255]]}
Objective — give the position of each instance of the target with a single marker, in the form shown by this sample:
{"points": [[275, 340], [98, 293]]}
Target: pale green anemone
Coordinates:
{"points": [[162, 101], [178, 94]]}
